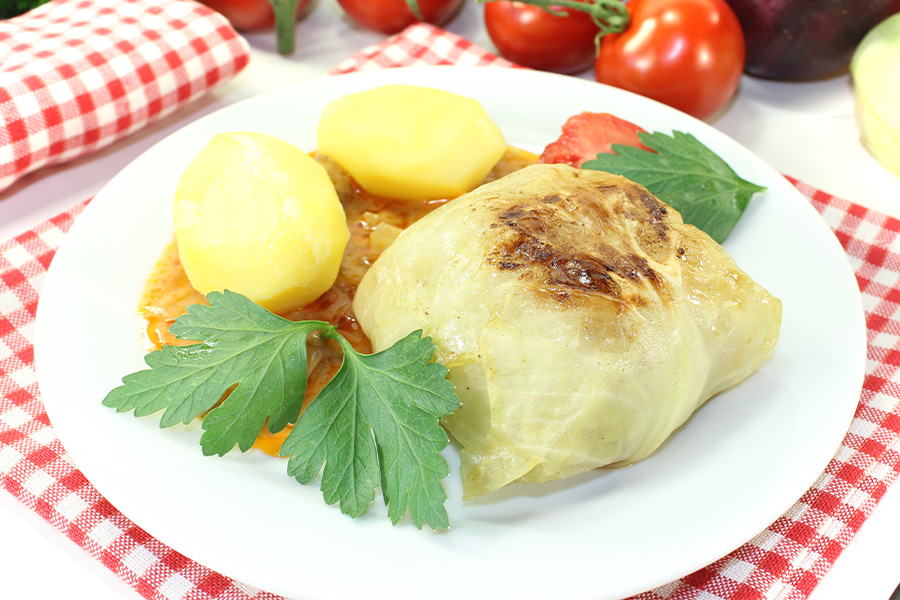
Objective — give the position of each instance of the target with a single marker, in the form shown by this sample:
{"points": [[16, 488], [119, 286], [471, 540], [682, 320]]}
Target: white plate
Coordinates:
{"points": [[738, 464]]}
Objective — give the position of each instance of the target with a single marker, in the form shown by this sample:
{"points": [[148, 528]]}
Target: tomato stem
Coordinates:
{"points": [[285, 22], [414, 7], [611, 16]]}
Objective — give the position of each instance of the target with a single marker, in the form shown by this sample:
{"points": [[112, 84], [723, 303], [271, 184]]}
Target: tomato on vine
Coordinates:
{"points": [[251, 15], [393, 16], [549, 39], [259, 15], [688, 54]]}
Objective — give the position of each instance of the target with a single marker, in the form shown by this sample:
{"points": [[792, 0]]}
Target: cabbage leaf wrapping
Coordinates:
{"points": [[581, 321]]}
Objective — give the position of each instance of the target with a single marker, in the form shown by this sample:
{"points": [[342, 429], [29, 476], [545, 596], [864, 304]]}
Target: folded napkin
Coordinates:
{"points": [[785, 561], [77, 75]]}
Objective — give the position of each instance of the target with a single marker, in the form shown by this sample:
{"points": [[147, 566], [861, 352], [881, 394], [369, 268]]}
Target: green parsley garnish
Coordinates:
{"points": [[686, 175], [375, 424]]}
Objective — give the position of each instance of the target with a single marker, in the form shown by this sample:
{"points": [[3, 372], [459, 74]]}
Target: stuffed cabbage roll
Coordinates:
{"points": [[581, 320]]}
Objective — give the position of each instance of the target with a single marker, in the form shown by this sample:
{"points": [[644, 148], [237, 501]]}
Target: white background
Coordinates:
{"points": [[806, 130]]}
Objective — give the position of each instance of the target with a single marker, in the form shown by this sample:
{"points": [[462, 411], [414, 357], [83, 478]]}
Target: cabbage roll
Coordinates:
{"points": [[581, 320]]}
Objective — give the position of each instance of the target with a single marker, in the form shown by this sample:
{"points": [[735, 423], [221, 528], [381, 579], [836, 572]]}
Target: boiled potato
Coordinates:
{"points": [[256, 215], [411, 142]]}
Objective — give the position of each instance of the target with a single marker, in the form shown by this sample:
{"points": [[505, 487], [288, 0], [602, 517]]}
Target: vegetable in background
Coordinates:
{"points": [[392, 16], [544, 36], [688, 54], [799, 39], [876, 76], [14, 8], [251, 15], [260, 15]]}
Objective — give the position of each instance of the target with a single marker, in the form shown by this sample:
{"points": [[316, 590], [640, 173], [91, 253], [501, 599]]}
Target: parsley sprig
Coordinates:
{"points": [[685, 174], [375, 424]]}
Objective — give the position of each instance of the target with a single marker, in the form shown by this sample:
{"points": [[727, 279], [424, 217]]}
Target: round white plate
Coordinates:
{"points": [[735, 467]]}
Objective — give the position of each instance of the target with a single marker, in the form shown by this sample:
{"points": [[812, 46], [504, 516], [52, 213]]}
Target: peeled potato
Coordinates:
{"points": [[256, 215], [410, 142]]}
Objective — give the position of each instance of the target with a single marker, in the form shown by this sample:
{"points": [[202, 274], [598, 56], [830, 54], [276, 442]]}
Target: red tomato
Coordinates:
{"points": [[588, 134], [533, 37], [688, 54], [393, 16], [251, 15]]}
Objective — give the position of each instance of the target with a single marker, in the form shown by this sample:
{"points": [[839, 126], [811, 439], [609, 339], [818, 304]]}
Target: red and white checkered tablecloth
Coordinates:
{"points": [[77, 75], [785, 561]]}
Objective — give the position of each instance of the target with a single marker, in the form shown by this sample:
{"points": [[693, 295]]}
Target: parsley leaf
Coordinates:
{"points": [[380, 410], [376, 423], [686, 175], [243, 345]]}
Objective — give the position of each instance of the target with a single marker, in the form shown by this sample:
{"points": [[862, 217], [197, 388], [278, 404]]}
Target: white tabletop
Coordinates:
{"points": [[805, 130]]}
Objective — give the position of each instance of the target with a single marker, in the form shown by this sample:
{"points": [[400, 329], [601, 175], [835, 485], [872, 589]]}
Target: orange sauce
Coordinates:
{"points": [[373, 222]]}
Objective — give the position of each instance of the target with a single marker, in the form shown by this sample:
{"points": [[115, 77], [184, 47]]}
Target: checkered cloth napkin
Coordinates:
{"points": [[785, 561], [77, 75]]}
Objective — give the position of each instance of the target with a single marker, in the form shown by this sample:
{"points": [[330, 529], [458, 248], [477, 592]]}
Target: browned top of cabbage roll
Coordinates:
{"points": [[586, 237]]}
